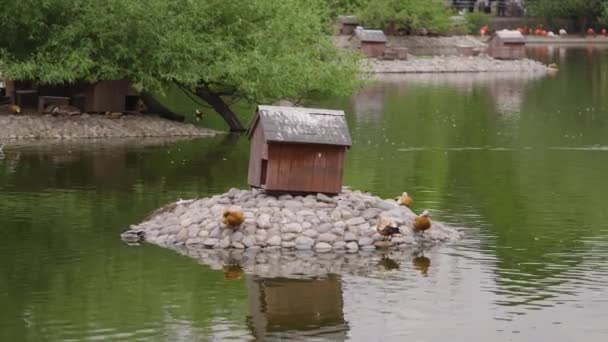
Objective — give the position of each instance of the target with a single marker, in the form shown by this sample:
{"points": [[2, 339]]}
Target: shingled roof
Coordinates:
{"points": [[302, 125], [507, 36], [371, 36]]}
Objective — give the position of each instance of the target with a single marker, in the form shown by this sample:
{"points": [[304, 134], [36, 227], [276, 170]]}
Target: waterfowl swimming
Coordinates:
{"points": [[422, 222], [386, 227], [405, 200], [234, 217], [132, 236]]}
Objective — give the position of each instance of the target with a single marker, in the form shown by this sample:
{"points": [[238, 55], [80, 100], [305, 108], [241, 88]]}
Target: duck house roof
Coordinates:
{"points": [[508, 36], [372, 36], [302, 125]]}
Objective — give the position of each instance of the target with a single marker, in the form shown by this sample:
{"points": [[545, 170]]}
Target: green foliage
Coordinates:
{"points": [[258, 50], [408, 16], [584, 11], [342, 7], [475, 20]]}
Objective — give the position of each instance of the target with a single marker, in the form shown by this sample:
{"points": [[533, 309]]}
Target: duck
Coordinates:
{"points": [[113, 115], [562, 32], [132, 236], [405, 200], [422, 221], [590, 32], [387, 228], [14, 109], [234, 217]]}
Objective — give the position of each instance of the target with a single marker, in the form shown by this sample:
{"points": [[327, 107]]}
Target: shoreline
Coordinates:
{"points": [[18, 128]]}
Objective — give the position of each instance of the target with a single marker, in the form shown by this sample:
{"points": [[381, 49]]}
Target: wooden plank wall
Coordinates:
{"points": [[258, 151], [305, 168]]}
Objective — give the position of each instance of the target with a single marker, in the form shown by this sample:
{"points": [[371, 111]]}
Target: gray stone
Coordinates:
{"points": [[306, 213], [311, 233], [324, 228], [248, 241], [324, 198], [288, 237], [355, 221], [274, 241], [263, 221], [348, 237], [293, 204], [216, 232], [193, 231], [303, 242], [352, 246], [336, 215], [327, 237], [365, 241], [292, 228], [288, 244], [339, 245], [182, 236], [321, 246], [377, 237], [383, 244], [225, 242], [194, 241], [236, 237], [306, 225], [211, 242], [385, 205], [370, 213]]}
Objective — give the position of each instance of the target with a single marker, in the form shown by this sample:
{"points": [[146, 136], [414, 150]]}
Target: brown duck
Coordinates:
{"points": [[422, 222], [405, 200], [386, 227], [234, 217]]}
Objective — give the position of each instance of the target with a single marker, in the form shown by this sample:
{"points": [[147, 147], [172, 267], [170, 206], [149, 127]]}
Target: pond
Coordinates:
{"points": [[518, 163]]}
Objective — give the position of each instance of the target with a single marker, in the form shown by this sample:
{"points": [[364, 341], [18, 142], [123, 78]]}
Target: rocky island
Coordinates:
{"points": [[318, 222]]}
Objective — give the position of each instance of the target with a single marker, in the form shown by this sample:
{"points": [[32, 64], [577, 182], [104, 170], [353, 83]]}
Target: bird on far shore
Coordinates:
{"points": [[14, 109], [386, 227], [405, 200], [422, 221]]}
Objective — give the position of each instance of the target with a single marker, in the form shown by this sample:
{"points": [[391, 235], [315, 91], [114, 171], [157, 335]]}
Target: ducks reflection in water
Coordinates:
{"points": [[233, 271], [421, 263], [388, 263]]}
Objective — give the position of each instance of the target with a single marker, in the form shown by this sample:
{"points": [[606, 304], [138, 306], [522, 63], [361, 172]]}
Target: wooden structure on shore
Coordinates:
{"points": [[101, 96], [347, 24], [372, 42], [507, 44], [299, 150]]}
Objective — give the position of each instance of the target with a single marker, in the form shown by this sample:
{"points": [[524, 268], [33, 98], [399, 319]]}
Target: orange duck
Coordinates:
{"points": [[234, 217], [422, 222], [405, 200]]}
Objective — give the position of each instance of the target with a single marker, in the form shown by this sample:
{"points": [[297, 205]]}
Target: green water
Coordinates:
{"points": [[518, 163]]}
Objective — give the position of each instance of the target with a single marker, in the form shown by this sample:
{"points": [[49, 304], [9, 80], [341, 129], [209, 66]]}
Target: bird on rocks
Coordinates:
{"points": [[405, 200], [14, 109], [234, 217], [386, 227], [132, 236], [422, 221]]}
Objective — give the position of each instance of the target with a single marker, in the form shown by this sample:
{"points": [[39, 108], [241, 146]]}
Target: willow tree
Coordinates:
{"points": [[220, 50]]}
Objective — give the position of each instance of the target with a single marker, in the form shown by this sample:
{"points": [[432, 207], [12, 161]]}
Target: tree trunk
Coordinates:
{"points": [[218, 104]]}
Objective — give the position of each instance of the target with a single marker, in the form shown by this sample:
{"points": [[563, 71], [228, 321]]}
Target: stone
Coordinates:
{"points": [[322, 246], [306, 213], [263, 221], [274, 241], [249, 241], [327, 237], [347, 214], [339, 245], [303, 242], [292, 204], [370, 213], [324, 228], [288, 237], [355, 221], [236, 236], [352, 246], [310, 233], [211, 242], [194, 241], [292, 228], [336, 215], [385, 205], [324, 198], [288, 244], [193, 231], [348, 237], [365, 241], [337, 231], [377, 237], [182, 235], [225, 242], [383, 244]]}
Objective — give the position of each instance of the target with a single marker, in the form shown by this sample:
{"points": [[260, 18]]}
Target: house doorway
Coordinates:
{"points": [[264, 172]]}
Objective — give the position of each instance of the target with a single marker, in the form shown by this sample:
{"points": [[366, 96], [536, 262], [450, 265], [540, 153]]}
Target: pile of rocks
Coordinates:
{"points": [[88, 126], [448, 64], [343, 222]]}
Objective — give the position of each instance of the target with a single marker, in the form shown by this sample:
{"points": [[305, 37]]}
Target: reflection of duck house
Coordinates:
{"points": [[347, 24], [507, 45], [372, 42], [308, 307], [297, 149]]}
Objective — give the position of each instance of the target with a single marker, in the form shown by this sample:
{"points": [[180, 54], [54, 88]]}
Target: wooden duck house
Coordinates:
{"points": [[507, 44], [298, 150], [372, 42]]}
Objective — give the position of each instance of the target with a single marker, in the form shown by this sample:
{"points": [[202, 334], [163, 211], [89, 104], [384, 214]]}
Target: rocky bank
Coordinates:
{"points": [[314, 222], [456, 64], [86, 126]]}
